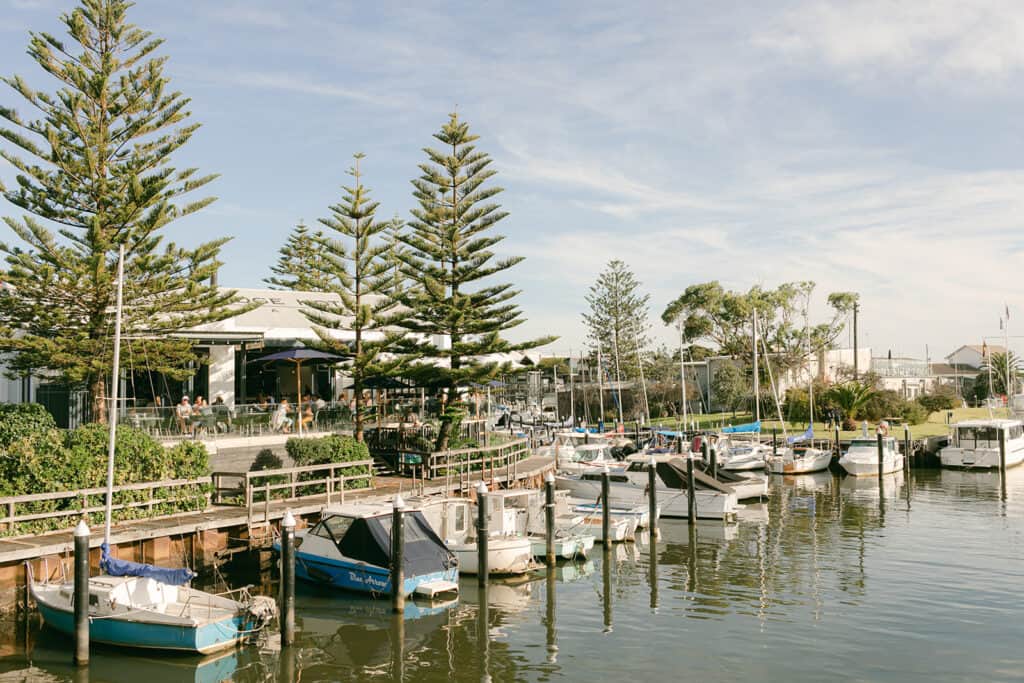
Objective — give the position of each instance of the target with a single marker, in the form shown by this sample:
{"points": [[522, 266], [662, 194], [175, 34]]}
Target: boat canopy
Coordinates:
{"points": [[116, 567], [368, 539], [743, 429]]}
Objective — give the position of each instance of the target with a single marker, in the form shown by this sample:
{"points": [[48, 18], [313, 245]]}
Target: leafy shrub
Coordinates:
{"points": [[45, 459], [939, 400], [914, 413], [266, 460], [333, 448], [21, 420]]}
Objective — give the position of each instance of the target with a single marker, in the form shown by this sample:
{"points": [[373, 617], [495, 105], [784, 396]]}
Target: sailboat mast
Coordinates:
{"points": [[682, 375], [757, 382], [810, 375], [640, 363], [600, 383], [618, 373], [115, 377]]}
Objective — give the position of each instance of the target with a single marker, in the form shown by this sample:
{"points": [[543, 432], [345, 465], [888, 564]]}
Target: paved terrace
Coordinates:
{"points": [[225, 516]]}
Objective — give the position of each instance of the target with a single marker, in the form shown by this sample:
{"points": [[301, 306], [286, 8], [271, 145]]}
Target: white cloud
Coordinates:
{"points": [[936, 40]]}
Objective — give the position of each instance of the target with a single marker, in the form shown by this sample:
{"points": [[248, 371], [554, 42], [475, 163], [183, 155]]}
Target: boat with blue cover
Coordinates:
{"points": [[350, 549]]}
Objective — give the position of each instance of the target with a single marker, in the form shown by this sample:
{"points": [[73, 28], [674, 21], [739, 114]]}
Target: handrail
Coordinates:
{"points": [[494, 456]]}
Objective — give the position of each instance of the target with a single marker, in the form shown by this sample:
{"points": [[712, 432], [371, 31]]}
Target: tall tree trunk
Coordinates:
{"points": [[444, 431], [98, 392]]}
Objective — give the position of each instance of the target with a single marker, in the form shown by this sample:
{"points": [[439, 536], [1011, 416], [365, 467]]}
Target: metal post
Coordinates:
{"points": [[549, 519], [606, 507], [397, 555], [82, 594], [881, 455], [288, 579], [652, 499], [691, 497], [481, 535]]}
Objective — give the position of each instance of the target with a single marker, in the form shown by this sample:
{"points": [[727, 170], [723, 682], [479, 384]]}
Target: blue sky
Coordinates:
{"points": [[866, 145]]}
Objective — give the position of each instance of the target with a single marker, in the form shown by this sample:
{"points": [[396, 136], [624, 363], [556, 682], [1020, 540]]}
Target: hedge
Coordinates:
{"points": [[324, 450], [39, 458]]}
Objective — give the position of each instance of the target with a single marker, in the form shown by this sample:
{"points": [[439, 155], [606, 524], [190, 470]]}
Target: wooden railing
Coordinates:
{"points": [[76, 504], [289, 483], [463, 461]]}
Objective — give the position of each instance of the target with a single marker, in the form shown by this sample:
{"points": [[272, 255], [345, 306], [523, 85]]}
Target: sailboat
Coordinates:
{"points": [[802, 457], [740, 448], [141, 605]]}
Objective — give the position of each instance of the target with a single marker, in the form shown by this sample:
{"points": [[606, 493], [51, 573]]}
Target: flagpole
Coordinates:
{"points": [[1006, 358]]}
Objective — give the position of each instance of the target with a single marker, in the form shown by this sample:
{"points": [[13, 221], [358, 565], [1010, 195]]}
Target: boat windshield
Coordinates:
{"points": [[590, 455], [863, 443]]}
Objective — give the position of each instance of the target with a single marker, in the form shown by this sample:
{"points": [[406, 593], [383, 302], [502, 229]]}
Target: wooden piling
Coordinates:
{"points": [[652, 499], [81, 594], [881, 454], [606, 506], [288, 579], [549, 520], [397, 556], [481, 536], [691, 493]]}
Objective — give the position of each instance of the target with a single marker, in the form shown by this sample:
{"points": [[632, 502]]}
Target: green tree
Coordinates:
{"points": [[93, 174], [709, 312], [729, 386], [448, 260], [850, 397], [617, 319], [302, 265], [996, 366], [360, 274]]}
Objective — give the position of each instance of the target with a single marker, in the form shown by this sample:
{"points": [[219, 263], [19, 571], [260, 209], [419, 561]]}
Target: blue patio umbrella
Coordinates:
{"points": [[297, 355]]}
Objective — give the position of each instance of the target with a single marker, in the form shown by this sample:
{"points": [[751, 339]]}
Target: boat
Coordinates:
{"points": [[800, 456], [861, 458], [350, 549], [799, 460], [745, 484], [975, 444], [640, 513], [590, 457], [740, 451], [628, 488], [453, 520], [141, 605], [520, 512]]}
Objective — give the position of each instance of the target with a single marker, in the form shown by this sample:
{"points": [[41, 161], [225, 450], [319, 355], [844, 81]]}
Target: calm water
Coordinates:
{"points": [[828, 580]]}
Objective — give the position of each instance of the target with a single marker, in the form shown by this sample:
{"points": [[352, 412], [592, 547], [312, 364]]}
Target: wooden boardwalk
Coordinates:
{"points": [[13, 550]]}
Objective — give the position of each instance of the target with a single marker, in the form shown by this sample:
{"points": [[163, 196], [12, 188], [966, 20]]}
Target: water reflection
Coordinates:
{"points": [[824, 560]]}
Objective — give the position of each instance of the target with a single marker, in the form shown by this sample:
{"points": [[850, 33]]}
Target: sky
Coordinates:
{"points": [[867, 145]]}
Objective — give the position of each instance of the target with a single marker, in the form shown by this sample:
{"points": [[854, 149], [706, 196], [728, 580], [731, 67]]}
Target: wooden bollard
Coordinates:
{"points": [[714, 461], [288, 579], [906, 449], [481, 535], [606, 506], [775, 441], [549, 520], [1002, 452], [82, 594], [839, 451], [398, 555], [691, 493], [881, 454], [652, 499]]}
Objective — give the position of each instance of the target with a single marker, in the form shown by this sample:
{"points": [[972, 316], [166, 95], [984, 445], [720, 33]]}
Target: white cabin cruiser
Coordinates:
{"points": [[741, 452], [453, 519], [589, 457], [861, 458], [629, 488], [975, 444]]}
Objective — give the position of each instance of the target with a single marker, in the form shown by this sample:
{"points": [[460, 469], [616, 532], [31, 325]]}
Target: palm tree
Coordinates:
{"points": [[996, 366], [850, 397]]}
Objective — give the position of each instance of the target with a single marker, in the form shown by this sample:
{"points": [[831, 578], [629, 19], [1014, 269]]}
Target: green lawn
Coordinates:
{"points": [[935, 426]]}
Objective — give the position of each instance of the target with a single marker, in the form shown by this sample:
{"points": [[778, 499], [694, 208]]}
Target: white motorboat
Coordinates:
{"points": [[640, 513], [589, 457], [975, 444], [452, 520], [741, 453], [629, 488], [861, 458], [799, 460]]}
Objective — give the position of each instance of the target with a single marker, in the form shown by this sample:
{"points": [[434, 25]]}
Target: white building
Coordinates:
{"points": [[972, 356]]}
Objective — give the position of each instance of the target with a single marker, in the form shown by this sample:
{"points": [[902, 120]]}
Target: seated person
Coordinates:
{"points": [[182, 414], [307, 413], [280, 420]]}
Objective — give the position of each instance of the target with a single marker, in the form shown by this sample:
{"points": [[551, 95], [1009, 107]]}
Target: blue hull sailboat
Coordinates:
{"points": [[141, 605]]}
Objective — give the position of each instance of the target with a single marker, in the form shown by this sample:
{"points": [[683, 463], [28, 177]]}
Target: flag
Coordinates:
{"points": [[984, 349], [1007, 312]]}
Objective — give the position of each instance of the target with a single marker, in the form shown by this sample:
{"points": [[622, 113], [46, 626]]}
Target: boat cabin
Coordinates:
{"points": [[363, 534], [984, 434]]}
